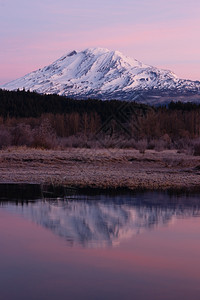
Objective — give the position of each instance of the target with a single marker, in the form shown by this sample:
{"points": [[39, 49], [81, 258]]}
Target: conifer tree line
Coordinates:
{"points": [[50, 121]]}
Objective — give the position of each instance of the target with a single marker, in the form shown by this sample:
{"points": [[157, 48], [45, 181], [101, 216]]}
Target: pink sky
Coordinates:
{"points": [[159, 33]]}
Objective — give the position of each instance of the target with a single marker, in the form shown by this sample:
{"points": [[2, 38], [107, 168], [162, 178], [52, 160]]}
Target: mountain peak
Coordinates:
{"points": [[101, 73], [96, 50], [72, 53]]}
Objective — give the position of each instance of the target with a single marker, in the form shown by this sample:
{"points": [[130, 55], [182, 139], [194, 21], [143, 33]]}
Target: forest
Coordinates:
{"points": [[56, 122]]}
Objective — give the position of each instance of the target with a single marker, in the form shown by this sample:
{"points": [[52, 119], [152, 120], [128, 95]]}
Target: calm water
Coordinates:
{"points": [[139, 246]]}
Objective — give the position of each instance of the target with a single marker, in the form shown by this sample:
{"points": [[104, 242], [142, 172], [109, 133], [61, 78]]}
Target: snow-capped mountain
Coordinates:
{"points": [[105, 222], [91, 223], [104, 74]]}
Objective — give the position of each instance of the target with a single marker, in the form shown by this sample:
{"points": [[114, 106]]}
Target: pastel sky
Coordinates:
{"points": [[157, 32]]}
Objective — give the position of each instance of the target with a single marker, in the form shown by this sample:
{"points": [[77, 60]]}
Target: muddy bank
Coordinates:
{"points": [[101, 168]]}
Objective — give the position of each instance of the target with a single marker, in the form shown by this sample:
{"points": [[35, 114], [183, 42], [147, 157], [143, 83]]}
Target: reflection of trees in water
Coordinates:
{"points": [[107, 221]]}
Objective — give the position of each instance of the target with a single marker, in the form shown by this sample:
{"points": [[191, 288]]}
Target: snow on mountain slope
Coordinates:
{"points": [[104, 74], [93, 224], [100, 223]]}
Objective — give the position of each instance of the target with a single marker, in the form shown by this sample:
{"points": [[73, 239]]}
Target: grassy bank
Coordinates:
{"points": [[101, 168]]}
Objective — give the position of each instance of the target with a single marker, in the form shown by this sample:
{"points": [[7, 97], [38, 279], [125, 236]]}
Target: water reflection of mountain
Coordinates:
{"points": [[105, 221]]}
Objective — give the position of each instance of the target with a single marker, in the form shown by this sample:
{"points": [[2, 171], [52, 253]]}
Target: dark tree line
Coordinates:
{"points": [[22, 104], [31, 119]]}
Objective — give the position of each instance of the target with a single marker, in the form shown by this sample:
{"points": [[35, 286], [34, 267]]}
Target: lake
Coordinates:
{"points": [[142, 245]]}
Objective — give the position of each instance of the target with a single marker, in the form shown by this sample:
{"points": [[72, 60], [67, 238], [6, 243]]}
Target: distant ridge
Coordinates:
{"points": [[103, 74]]}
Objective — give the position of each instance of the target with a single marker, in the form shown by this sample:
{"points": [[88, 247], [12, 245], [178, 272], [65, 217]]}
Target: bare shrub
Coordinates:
{"points": [[44, 136], [141, 145], [82, 141], [65, 142], [21, 135], [182, 144], [151, 144], [107, 142], [127, 143], [118, 142], [197, 148], [74, 142], [93, 144], [5, 138], [160, 145]]}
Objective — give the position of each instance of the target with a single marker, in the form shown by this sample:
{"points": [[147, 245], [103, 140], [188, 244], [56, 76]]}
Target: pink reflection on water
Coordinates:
{"points": [[164, 262]]}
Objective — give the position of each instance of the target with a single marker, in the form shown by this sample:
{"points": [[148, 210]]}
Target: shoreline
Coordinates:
{"points": [[27, 192], [101, 169]]}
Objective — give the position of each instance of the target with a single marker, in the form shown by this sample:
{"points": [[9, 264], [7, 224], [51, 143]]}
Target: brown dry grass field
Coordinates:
{"points": [[100, 168]]}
